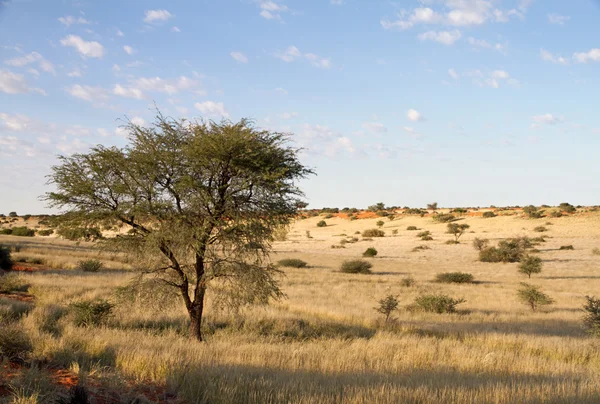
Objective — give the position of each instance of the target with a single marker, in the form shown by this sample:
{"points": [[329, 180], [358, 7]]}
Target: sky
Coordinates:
{"points": [[463, 102]]}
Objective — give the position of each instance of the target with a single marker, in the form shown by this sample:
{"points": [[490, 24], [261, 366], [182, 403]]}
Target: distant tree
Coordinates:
{"points": [[480, 244], [532, 212], [380, 223], [387, 306], [530, 265], [377, 207], [12, 214], [533, 297], [591, 319], [567, 207], [432, 206], [457, 230], [203, 200]]}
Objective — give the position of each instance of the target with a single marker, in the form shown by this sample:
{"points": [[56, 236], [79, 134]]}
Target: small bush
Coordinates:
{"points": [[556, 213], [91, 313], [444, 218], [507, 251], [567, 207], [356, 267], [452, 242], [424, 233], [11, 283], [540, 229], [322, 223], [533, 297], [454, 277], [420, 248], [80, 233], [373, 233], [387, 306], [12, 310], [596, 251], [566, 247], [370, 252], [437, 303], [6, 232], [530, 265], [292, 263], [407, 281], [395, 232], [6, 261], [46, 232], [90, 265], [379, 223], [591, 319], [488, 215], [412, 228], [15, 344], [480, 244], [23, 231], [532, 212], [457, 230]]}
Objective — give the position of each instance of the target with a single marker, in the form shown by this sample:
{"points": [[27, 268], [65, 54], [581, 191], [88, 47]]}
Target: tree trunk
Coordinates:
{"points": [[195, 312]]}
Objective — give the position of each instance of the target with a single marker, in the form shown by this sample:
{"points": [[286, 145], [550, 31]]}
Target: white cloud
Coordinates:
{"points": [[16, 123], [88, 93], [554, 18], [90, 49], [292, 53], [33, 57], [13, 83], [452, 73], [128, 49], [128, 92], [374, 127], [33, 72], [152, 16], [175, 29], [120, 33], [281, 91], [289, 115], [103, 132], [414, 115], [418, 16], [411, 131], [337, 2], [443, 37], [116, 68], [212, 109], [493, 79], [76, 72], [136, 120], [549, 57], [239, 56], [271, 10], [137, 87], [69, 20], [583, 57], [545, 119]]}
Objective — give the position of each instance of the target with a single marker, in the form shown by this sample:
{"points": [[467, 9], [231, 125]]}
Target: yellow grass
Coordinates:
{"points": [[325, 342]]}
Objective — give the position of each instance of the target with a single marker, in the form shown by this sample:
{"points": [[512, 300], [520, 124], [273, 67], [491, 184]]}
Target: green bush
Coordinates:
{"points": [[591, 319], [488, 215], [533, 297], [596, 251], [420, 248], [379, 223], [6, 261], [89, 313], [412, 228], [532, 212], [23, 231], [437, 303], [15, 344], [480, 244], [507, 251], [454, 277], [566, 247], [415, 211], [80, 233], [46, 232], [292, 263], [424, 233], [370, 252], [356, 267], [6, 232], [387, 306], [567, 207], [13, 214], [530, 265], [407, 281], [457, 230], [540, 229], [90, 265], [12, 282], [12, 311], [444, 218], [373, 233], [322, 223]]}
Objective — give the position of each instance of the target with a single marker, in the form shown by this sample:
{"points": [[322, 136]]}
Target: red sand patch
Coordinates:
{"points": [[22, 297], [22, 267]]}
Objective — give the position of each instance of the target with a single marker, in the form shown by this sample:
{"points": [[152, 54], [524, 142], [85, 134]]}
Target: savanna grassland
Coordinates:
{"points": [[324, 342]]}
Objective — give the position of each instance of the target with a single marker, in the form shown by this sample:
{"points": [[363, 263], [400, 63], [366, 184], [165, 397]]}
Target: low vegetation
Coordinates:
{"points": [[436, 303], [356, 267], [533, 296], [373, 233], [292, 263], [454, 277], [91, 265], [370, 252], [530, 265]]}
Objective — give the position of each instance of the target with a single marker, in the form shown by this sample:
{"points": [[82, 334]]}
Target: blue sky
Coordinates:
{"points": [[464, 102]]}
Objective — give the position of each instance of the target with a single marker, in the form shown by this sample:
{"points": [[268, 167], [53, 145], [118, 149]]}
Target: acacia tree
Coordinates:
{"points": [[202, 201]]}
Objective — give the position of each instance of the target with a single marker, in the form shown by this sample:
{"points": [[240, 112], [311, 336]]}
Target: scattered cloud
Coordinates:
{"points": [[452, 73], [76, 72], [13, 83], [292, 53], [583, 57], [414, 115], [33, 57], [545, 119], [69, 20], [138, 86], [281, 91], [411, 132], [443, 37], [271, 10], [549, 57], [90, 49], [289, 115], [483, 44], [120, 33], [212, 109], [128, 92], [239, 56], [175, 29], [554, 18], [88, 93], [493, 79], [128, 49], [374, 127], [152, 16], [337, 2]]}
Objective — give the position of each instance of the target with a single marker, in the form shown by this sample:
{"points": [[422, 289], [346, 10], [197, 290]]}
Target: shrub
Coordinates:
{"points": [[412, 228], [566, 247], [387, 306], [370, 252], [12, 310], [379, 223], [432, 206], [80, 233], [459, 210], [15, 344], [567, 207], [356, 267], [454, 277], [507, 251], [6, 262], [437, 303], [420, 248], [556, 213], [457, 230], [530, 265], [46, 232], [596, 251], [394, 232], [452, 242], [532, 212], [322, 223], [424, 233], [426, 238], [532, 296], [415, 211], [6, 231], [540, 229], [23, 231], [480, 243], [308, 234], [488, 215], [292, 263], [407, 281], [90, 265], [12, 214], [328, 216], [591, 319], [91, 313], [12, 282], [373, 233], [444, 218]]}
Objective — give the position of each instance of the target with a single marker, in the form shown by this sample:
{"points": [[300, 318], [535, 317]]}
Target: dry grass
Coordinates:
{"points": [[326, 343]]}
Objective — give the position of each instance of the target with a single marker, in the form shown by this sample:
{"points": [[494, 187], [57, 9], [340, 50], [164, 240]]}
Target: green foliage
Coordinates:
{"points": [[457, 230], [292, 263], [596, 251], [567, 207], [6, 231], [530, 265], [424, 233], [454, 277], [356, 267], [437, 303], [591, 318], [380, 223], [90, 313], [566, 247], [480, 244], [13, 214], [488, 215], [444, 218], [322, 223], [412, 228], [407, 281], [6, 261], [80, 233], [90, 265], [377, 207], [532, 212], [533, 296], [540, 229], [23, 231], [511, 250], [46, 232], [387, 306], [373, 233], [395, 232], [556, 213], [459, 210], [15, 344], [415, 211], [420, 248], [12, 311], [12, 282], [26, 217], [432, 206], [370, 252]]}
